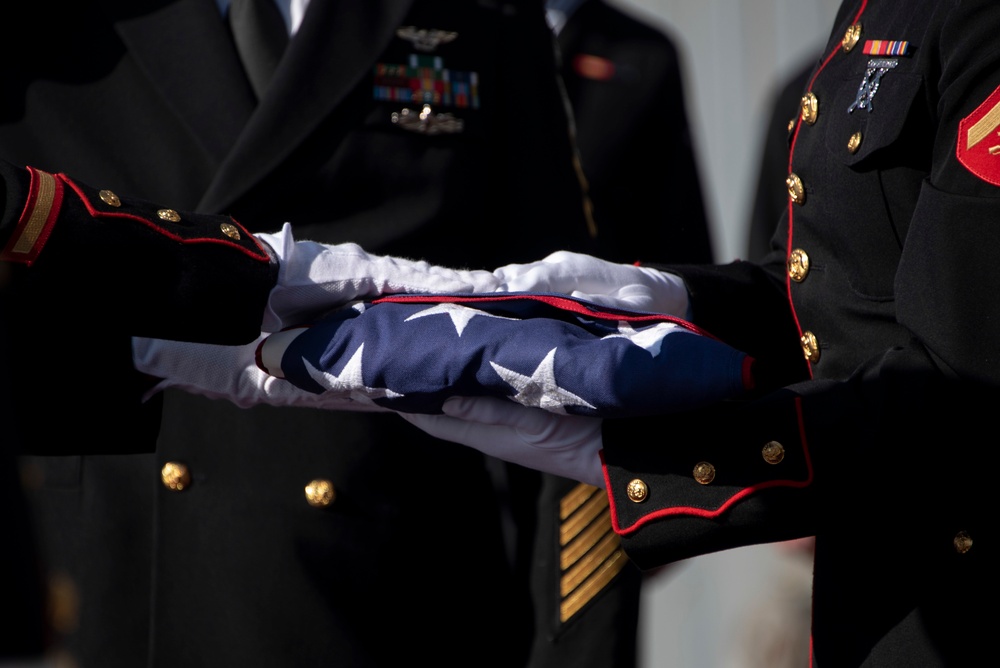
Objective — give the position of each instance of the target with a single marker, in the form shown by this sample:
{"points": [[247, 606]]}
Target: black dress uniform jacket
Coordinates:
{"points": [[877, 312], [113, 267], [216, 549], [623, 78]]}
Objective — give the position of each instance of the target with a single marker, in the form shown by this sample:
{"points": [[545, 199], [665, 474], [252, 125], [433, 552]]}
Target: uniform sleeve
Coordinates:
{"points": [[130, 265], [796, 462], [817, 455], [81, 271], [947, 279]]}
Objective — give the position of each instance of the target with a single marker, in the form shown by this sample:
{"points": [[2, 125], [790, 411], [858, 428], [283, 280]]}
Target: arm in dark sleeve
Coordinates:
{"points": [[81, 271], [862, 449], [129, 265]]}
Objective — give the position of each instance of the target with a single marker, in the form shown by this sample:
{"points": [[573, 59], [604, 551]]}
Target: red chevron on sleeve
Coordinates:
{"points": [[978, 146]]}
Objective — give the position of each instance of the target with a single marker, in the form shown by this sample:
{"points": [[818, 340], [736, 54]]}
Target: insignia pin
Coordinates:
{"points": [[877, 67], [427, 122], [423, 39]]}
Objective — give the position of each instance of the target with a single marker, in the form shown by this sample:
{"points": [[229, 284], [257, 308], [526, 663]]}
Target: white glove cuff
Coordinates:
{"points": [[229, 373], [671, 293]]}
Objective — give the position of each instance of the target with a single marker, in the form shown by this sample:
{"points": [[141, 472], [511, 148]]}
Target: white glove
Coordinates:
{"points": [[607, 283], [228, 372], [565, 445], [314, 278]]}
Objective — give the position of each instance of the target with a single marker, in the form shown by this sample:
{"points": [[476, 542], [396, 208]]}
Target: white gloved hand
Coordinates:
{"points": [[314, 278], [228, 372], [607, 283], [565, 445]]}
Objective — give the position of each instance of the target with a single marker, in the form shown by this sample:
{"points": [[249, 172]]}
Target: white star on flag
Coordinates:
{"points": [[540, 389], [611, 363], [350, 380], [649, 338], [460, 315]]}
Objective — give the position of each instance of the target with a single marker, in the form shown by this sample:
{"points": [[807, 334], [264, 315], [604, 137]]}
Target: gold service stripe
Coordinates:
{"points": [[584, 568], [40, 210], [579, 521], [609, 569], [984, 126], [586, 540], [576, 498]]}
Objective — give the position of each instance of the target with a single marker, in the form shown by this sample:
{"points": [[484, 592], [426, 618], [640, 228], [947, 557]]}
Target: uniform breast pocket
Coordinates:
{"points": [[410, 145], [871, 115], [875, 139]]}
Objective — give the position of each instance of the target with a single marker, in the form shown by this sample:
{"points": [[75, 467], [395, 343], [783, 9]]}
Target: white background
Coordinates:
{"points": [[734, 53]]}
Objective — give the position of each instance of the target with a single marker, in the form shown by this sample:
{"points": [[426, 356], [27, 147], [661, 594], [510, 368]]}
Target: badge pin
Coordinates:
{"points": [[886, 47], [877, 67], [425, 80], [424, 39], [427, 122], [593, 67]]}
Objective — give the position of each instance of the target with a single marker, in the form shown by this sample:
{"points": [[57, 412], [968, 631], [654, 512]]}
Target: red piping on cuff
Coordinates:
{"points": [[691, 511]]}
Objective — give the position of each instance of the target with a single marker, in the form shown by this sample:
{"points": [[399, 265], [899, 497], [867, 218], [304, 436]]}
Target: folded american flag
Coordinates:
{"points": [[411, 352]]}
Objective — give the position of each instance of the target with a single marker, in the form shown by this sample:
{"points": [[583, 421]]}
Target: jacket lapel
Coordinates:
{"points": [[333, 50], [185, 49]]}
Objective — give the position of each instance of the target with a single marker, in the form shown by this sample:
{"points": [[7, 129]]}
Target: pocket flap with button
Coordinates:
{"points": [[854, 136]]}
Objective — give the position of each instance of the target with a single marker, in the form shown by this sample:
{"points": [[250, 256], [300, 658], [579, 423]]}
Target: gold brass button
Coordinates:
{"points": [[175, 476], [810, 347], [109, 198], [704, 472], [320, 493], [230, 231], [773, 452], [791, 125], [810, 108], [637, 491], [169, 215], [798, 265], [854, 143], [63, 603], [796, 191], [851, 37], [963, 542]]}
